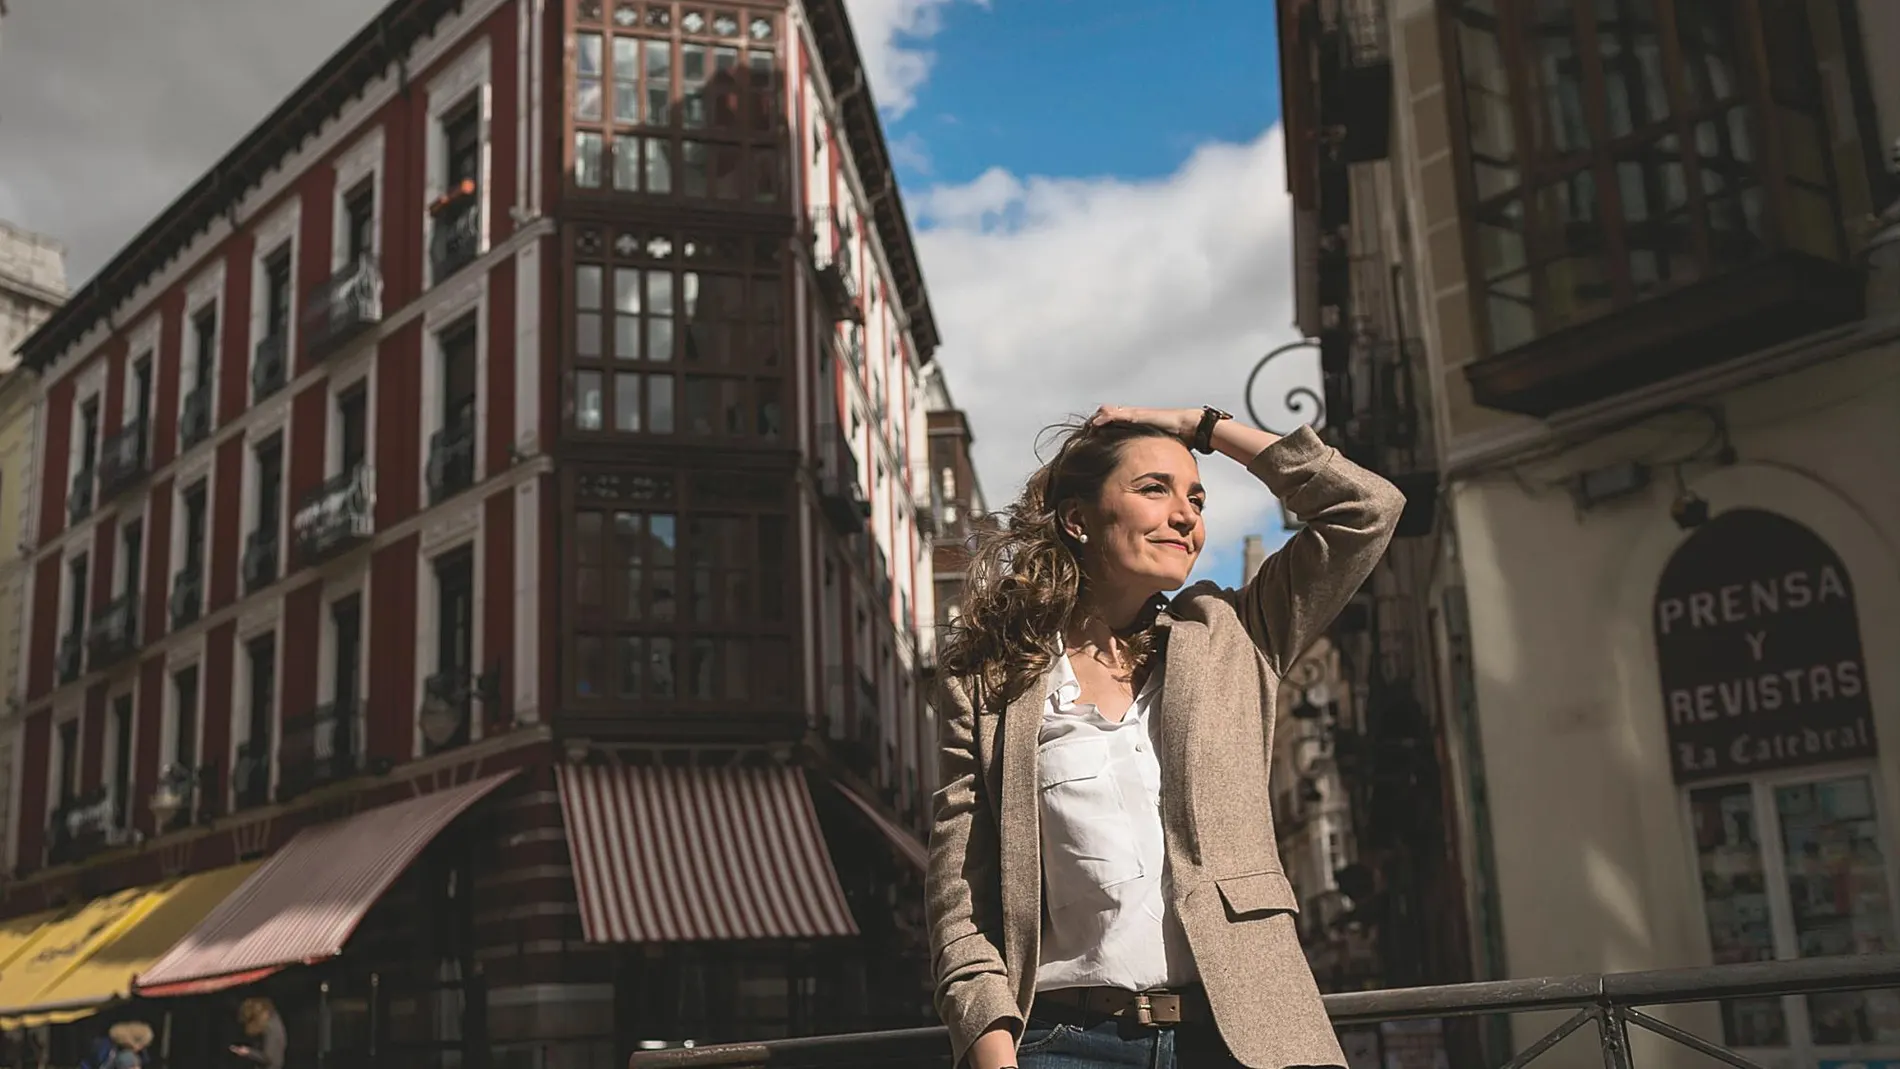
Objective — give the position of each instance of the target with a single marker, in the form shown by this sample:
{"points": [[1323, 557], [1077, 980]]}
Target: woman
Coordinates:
{"points": [[122, 1047], [258, 1016], [1104, 886]]}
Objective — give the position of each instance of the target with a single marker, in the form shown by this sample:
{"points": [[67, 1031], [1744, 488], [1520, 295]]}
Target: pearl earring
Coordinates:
{"points": [[1082, 537]]}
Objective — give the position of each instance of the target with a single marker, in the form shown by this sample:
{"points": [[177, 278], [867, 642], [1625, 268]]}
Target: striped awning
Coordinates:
{"points": [[699, 854], [307, 899], [907, 846]]}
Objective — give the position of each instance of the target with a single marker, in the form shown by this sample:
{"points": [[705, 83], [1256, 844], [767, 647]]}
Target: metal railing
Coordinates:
{"points": [[1610, 1001]]}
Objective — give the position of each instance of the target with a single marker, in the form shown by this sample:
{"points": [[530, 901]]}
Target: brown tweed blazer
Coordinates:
{"points": [[1225, 653]]}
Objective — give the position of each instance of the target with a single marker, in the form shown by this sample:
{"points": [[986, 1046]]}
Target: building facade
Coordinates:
{"points": [[32, 284], [1643, 258], [524, 416]]}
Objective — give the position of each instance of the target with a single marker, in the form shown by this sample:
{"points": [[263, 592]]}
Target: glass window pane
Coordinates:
{"points": [[728, 172], [1705, 30], [700, 670], [587, 162], [698, 407], [587, 286], [587, 400], [693, 75], [627, 289], [1558, 125], [694, 179], [660, 667], [1631, 49], [626, 163], [735, 670], [660, 397], [627, 79], [766, 173], [765, 96], [589, 667], [626, 402], [587, 72], [1837, 887], [627, 337], [1487, 92], [725, 88], [632, 656], [659, 165], [1577, 283], [659, 84], [587, 335], [771, 416], [1735, 903]]}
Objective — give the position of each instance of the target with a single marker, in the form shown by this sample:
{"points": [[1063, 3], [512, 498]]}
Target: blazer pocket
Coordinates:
{"points": [[1257, 894]]}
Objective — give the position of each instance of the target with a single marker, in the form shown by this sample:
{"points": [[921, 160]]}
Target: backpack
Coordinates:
{"points": [[101, 1055]]}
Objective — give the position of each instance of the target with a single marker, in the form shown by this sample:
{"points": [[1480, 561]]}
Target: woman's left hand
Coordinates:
{"points": [[1180, 422]]}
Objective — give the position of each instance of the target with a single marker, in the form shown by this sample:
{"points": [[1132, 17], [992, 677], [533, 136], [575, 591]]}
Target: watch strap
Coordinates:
{"points": [[1204, 433]]}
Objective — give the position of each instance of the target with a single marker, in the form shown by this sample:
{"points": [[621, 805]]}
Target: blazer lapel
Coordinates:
{"points": [[1182, 664]]}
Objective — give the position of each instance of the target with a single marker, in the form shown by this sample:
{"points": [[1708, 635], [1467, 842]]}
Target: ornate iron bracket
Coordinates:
{"points": [[1297, 400]]}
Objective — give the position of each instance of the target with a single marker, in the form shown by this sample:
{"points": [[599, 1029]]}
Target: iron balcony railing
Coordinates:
{"points": [[839, 491], [80, 827], [457, 239], [250, 776], [79, 502], [321, 746], [451, 461], [340, 514], [1612, 1002], [260, 559], [271, 369], [114, 633], [72, 655], [831, 259], [341, 308], [122, 458], [188, 595], [194, 416]]}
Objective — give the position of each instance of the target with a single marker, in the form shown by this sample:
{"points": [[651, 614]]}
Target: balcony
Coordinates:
{"points": [[72, 656], [194, 417], [831, 259], [260, 560], [122, 458], [338, 516], [457, 239], [250, 776], [451, 461], [271, 367], [321, 747], [448, 703], [839, 491], [1609, 1005], [342, 308], [114, 634], [80, 827], [79, 501], [188, 596], [1779, 298]]}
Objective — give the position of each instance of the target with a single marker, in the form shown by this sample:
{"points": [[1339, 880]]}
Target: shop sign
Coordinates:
{"points": [[1758, 649]]}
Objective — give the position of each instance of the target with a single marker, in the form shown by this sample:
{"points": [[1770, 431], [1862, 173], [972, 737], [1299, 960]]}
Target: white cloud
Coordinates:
{"points": [[1058, 295], [891, 36]]}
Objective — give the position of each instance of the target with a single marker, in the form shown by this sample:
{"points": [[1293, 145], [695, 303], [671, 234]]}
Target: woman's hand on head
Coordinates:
{"points": [[1180, 422]]}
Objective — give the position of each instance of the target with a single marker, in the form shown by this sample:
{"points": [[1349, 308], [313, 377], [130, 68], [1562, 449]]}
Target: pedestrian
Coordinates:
{"points": [[122, 1047], [1104, 887], [265, 1029]]}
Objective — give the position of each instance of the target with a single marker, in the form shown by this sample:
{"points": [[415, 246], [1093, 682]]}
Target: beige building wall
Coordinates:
{"points": [[1596, 863], [32, 284]]}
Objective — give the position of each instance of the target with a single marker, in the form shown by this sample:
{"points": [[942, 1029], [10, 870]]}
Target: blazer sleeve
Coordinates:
{"points": [[964, 889], [1349, 515]]}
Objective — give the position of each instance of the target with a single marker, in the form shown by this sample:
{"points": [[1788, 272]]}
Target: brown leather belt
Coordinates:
{"points": [[1150, 1009]]}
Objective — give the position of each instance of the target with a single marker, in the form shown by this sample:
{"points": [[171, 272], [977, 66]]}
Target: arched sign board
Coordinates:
{"points": [[1758, 649]]}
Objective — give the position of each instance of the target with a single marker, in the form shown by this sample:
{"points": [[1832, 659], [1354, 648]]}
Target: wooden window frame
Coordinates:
{"points": [[754, 501], [751, 377], [752, 143], [1537, 173]]}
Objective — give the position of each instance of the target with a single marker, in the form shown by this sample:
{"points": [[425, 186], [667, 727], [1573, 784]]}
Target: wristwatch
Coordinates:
{"points": [[1204, 434]]}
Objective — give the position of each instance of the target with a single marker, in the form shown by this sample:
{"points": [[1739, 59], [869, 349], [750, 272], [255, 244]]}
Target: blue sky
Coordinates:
{"points": [[1100, 204]]}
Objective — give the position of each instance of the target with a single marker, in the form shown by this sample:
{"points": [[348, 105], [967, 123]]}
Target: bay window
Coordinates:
{"points": [[678, 338], [678, 100]]}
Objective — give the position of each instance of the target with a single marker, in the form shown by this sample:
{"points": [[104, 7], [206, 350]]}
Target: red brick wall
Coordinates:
{"points": [[392, 661]]}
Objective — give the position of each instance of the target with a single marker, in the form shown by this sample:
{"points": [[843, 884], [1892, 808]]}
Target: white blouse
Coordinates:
{"points": [[1106, 922]]}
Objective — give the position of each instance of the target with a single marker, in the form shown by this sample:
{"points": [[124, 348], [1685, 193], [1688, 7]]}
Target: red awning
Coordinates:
{"points": [[304, 903], [907, 845], [699, 854]]}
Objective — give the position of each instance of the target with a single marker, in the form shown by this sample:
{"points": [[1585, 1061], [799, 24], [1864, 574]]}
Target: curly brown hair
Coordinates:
{"points": [[1025, 579]]}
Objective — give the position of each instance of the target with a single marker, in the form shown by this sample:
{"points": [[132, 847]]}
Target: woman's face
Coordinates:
{"points": [[1144, 531]]}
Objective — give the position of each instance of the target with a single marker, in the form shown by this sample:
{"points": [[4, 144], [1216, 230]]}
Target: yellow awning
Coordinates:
{"points": [[79, 960], [18, 934]]}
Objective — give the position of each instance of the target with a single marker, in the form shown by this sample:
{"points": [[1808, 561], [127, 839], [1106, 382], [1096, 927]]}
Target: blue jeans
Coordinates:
{"points": [[1111, 1044]]}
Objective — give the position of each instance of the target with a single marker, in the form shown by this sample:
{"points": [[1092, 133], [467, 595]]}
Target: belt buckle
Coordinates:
{"points": [[1157, 1010]]}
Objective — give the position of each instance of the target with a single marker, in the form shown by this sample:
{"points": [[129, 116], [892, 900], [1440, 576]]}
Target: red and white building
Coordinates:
{"points": [[521, 420]]}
